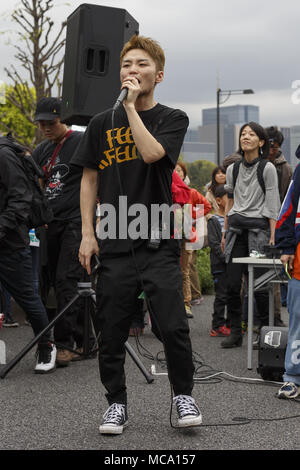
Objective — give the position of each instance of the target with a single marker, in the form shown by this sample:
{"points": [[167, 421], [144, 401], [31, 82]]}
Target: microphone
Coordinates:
{"points": [[121, 98]]}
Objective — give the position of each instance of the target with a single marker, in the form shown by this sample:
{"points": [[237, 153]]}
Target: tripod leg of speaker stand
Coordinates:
{"points": [[139, 364], [88, 329], [87, 293], [35, 340]]}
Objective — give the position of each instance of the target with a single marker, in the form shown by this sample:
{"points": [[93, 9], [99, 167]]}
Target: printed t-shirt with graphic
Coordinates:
{"points": [[142, 183], [62, 188]]}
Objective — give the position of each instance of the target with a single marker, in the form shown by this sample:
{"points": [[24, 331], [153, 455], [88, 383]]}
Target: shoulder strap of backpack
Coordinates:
{"points": [[260, 173], [279, 169], [235, 172]]}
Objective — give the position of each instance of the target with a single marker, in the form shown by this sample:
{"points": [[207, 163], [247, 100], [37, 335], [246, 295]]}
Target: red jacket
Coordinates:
{"points": [[197, 198], [180, 191], [182, 195]]}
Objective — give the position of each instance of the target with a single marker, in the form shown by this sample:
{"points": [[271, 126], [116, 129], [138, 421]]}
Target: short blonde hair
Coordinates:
{"points": [[147, 44]]}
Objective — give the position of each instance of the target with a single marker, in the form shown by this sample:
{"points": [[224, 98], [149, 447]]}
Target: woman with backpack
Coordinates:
{"points": [[251, 213]]}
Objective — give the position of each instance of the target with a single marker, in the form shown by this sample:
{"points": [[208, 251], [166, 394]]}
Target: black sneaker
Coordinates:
{"points": [[232, 341], [114, 419], [46, 358], [188, 412], [9, 322]]}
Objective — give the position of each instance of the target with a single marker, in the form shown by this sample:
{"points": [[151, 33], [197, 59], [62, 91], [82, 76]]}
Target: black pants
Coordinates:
{"points": [[234, 275], [118, 289], [65, 271], [17, 277], [221, 301]]}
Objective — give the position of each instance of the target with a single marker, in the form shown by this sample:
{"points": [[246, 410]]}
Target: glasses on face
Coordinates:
{"points": [[273, 144]]}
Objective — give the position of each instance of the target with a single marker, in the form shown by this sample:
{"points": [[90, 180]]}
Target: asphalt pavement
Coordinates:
{"points": [[63, 410]]}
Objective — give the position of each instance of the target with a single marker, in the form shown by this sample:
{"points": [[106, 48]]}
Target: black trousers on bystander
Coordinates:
{"points": [[65, 271], [234, 275]]}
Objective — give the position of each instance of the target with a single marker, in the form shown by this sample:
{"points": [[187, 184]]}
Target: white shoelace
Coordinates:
{"points": [[114, 413], [186, 405]]}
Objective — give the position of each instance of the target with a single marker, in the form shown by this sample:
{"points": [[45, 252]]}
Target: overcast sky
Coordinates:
{"points": [[246, 44]]}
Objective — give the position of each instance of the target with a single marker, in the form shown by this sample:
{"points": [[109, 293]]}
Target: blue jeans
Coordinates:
{"points": [[16, 276], [35, 267], [292, 356]]}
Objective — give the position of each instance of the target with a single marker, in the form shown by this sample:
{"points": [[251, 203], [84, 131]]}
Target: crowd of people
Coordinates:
{"points": [[245, 208], [237, 206]]}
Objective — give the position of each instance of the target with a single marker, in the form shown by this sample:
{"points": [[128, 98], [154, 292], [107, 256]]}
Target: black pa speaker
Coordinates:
{"points": [[91, 81], [271, 353]]}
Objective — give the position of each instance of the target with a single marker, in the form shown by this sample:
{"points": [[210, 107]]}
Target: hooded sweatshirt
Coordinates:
{"points": [[284, 173], [15, 197], [287, 234]]}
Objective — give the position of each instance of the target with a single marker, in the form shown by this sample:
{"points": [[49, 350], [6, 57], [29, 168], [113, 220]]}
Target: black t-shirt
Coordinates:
{"points": [[142, 183], [62, 188]]}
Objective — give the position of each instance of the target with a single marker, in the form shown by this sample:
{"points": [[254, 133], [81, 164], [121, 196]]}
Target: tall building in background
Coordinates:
{"points": [[231, 120], [196, 148], [238, 114], [201, 143]]}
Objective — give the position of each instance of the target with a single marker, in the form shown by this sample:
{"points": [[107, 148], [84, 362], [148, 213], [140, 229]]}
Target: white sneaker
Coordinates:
{"points": [[46, 357], [188, 412], [114, 419]]}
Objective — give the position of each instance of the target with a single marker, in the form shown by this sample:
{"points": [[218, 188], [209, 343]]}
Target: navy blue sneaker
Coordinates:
{"points": [[114, 419], [188, 412], [289, 390]]}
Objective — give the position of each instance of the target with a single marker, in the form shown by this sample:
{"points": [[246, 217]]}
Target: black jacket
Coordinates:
{"points": [[15, 197], [217, 257]]}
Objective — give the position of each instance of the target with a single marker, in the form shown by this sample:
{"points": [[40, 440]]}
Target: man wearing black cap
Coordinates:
{"points": [[63, 235]]}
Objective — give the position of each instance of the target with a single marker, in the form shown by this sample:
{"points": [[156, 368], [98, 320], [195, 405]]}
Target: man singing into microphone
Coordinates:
{"points": [[136, 159]]}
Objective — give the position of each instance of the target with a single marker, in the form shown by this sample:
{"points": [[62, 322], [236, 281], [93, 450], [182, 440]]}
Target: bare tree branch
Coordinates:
{"points": [[40, 57], [54, 44]]}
